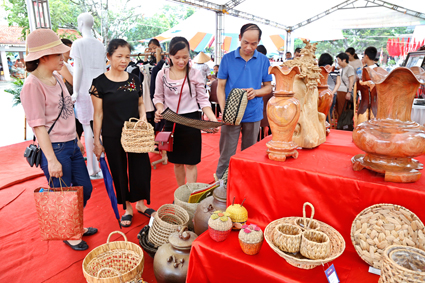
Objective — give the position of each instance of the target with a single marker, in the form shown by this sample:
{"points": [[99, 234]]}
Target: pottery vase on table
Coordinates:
{"points": [[391, 140], [283, 112]]}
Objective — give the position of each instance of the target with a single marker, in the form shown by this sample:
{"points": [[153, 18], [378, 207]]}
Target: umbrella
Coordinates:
{"points": [[107, 178]]}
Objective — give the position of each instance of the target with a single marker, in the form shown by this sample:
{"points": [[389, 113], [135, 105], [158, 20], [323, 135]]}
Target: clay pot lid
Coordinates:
{"points": [[182, 239], [220, 194]]}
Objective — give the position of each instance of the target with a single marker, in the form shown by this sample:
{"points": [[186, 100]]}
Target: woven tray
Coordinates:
{"points": [[382, 225], [114, 262], [170, 115], [397, 265], [297, 260]]}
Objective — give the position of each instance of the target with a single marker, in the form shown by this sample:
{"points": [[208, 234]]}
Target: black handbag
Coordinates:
{"points": [[345, 122], [33, 152]]}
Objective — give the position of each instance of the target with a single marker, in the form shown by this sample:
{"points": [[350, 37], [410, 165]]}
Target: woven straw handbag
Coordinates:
{"points": [[114, 262], [137, 136], [235, 106]]}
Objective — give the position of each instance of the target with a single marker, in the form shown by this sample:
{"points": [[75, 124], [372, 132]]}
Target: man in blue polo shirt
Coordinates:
{"points": [[247, 69]]}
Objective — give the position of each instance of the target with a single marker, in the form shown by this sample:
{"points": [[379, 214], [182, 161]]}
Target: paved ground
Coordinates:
{"points": [[12, 119]]}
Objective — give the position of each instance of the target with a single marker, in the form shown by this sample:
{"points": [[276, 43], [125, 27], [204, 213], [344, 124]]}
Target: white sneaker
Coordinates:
{"points": [[97, 176]]}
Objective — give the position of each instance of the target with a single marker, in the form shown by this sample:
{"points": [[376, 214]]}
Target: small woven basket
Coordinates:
{"points": [[287, 237], [166, 221], [181, 198], [114, 262], [402, 264], [251, 239], [315, 245], [220, 227], [304, 223], [137, 137]]}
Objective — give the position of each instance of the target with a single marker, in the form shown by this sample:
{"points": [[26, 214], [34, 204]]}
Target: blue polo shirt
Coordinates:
{"points": [[242, 74]]}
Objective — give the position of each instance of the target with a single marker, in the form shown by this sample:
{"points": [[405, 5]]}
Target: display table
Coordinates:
{"points": [[418, 113], [322, 176]]}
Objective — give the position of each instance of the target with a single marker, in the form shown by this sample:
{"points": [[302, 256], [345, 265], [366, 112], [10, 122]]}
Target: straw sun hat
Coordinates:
{"points": [[42, 42], [201, 58]]}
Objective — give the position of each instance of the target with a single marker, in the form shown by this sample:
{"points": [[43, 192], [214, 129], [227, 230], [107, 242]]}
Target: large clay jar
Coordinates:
{"points": [[324, 102], [283, 112], [172, 259], [391, 140], [206, 208]]}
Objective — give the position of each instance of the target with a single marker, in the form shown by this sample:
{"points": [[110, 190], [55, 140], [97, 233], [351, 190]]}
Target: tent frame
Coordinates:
{"points": [[228, 8]]}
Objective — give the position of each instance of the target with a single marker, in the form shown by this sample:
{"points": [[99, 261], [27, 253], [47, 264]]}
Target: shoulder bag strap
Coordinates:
{"points": [[60, 112], [178, 105]]}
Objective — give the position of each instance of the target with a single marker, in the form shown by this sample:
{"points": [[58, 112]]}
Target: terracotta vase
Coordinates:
{"points": [[324, 102], [283, 112], [391, 140], [206, 208], [172, 259]]}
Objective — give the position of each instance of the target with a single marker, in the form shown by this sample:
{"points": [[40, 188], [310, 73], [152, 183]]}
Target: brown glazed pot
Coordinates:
{"points": [[391, 140], [283, 112], [206, 208], [172, 259]]}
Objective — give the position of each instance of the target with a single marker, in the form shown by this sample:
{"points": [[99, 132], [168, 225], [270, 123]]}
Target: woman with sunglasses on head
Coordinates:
{"points": [[117, 97], [178, 79], [49, 111]]}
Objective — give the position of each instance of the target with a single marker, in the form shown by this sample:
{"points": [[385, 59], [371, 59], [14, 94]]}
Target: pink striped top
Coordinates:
{"points": [[167, 92]]}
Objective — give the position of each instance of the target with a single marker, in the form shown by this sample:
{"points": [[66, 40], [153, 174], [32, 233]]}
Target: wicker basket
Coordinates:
{"points": [[303, 222], [251, 239], [137, 137], [337, 244], [402, 264], [287, 237], [181, 197], [315, 245], [382, 225], [166, 221], [147, 246], [114, 262], [219, 226]]}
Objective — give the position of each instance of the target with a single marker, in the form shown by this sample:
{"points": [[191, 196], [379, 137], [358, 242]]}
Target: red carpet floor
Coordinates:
{"points": [[26, 258]]}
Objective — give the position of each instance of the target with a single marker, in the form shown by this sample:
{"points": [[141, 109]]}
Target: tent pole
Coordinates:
{"points": [[219, 31], [288, 46]]}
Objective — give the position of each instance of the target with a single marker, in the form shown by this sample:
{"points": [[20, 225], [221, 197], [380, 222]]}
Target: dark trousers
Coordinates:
{"points": [[73, 167], [134, 185]]}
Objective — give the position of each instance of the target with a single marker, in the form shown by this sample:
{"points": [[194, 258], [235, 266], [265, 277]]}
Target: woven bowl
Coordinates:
{"points": [[383, 225], [181, 198], [315, 245], [287, 237], [337, 245], [402, 264], [166, 221]]}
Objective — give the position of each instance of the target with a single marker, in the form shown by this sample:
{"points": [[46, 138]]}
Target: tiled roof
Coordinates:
{"points": [[12, 35]]}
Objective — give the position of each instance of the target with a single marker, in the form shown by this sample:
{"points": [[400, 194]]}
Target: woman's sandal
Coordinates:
{"points": [[82, 246], [127, 217]]}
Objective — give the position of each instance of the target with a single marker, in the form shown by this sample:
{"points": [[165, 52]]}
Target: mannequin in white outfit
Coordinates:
{"points": [[89, 62]]}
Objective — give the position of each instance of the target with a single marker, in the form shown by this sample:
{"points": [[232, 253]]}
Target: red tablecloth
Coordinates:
{"points": [[322, 176]]}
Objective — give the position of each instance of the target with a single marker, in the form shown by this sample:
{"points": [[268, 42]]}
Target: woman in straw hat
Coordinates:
{"points": [[49, 111], [200, 65]]}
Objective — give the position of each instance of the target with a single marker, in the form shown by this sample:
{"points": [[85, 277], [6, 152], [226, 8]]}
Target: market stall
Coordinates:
{"points": [[322, 176]]}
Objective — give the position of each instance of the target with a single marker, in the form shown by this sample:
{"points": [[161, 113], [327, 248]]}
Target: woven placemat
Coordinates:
{"points": [[171, 116], [382, 225]]}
